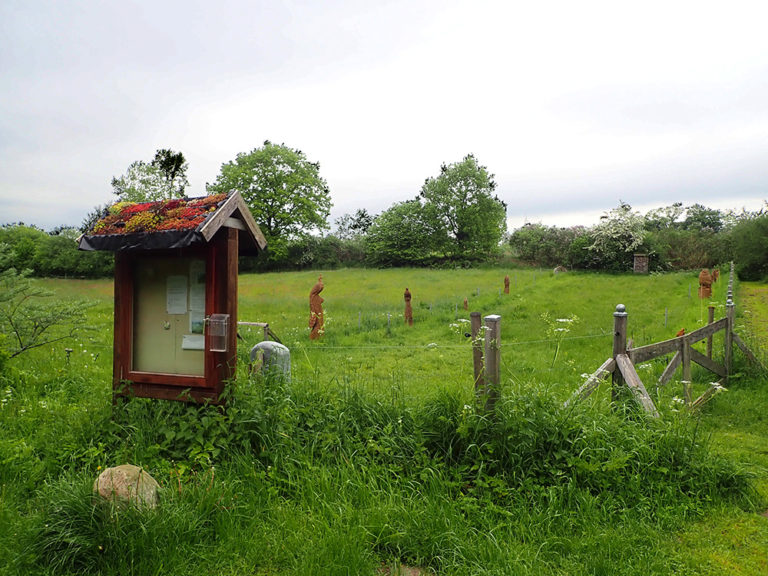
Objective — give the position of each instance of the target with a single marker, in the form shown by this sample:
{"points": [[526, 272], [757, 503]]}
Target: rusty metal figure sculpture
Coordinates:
{"points": [[316, 310], [408, 309], [705, 284]]}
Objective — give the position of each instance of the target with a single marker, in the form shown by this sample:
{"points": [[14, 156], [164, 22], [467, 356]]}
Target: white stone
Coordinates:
{"points": [[127, 483]]}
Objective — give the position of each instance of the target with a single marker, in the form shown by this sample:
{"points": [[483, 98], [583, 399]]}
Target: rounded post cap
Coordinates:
{"points": [[621, 310], [729, 302]]}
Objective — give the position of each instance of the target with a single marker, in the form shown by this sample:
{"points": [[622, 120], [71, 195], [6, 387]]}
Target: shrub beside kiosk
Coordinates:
{"points": [[175, 331]]}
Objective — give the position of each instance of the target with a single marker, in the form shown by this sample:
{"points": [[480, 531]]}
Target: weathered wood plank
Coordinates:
{"points": [[234, 223], [706, 331], [669, 371], [744, 348], [650, 351], [263, 325], [686, 355], [638, 355], [592, 382], [707, 363], [234, 207], [635, 384]]}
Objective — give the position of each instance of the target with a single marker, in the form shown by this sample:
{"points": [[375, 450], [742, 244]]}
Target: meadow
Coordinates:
{"points": [[373, 457]]}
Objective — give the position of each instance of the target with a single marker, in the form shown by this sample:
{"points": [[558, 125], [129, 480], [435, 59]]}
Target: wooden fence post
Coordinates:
{"points": [[710, 320], [619, 346], [492, 360], [477, 355], [686, 361], [729, 314]]}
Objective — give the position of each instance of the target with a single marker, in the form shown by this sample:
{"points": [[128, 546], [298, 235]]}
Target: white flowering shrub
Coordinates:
{"points": [[617, 237]]}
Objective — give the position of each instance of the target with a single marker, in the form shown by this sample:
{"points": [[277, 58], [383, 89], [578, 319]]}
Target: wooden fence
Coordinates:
{"points": [[621, 365]]}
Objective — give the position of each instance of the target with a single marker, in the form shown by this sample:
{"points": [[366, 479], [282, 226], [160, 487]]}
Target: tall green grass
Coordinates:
{"points": [[373, 454]]}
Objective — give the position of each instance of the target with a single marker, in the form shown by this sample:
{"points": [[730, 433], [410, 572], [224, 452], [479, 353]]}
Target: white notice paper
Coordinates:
{"points": [[196, 296], [176, 295], [193, 342]]}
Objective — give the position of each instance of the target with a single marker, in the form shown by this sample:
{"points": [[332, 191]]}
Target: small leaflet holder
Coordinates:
{"points": [[218, 328]]}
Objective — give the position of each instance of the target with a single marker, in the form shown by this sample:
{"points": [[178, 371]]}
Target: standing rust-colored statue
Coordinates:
{"points": [[506, 284], [705, 284], [408, 309], [316, 310], [715, 275], [466, 304]]}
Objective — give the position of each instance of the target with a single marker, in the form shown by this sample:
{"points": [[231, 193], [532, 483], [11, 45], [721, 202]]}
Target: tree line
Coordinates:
{"points": [[674, 237], [455, 219]]}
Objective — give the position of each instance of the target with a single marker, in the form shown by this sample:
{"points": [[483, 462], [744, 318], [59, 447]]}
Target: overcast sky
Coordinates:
{"points": [[573, 105]]}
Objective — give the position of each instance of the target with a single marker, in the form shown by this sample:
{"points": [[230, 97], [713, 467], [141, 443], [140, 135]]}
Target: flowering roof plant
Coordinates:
{"points": [[166, 215]]}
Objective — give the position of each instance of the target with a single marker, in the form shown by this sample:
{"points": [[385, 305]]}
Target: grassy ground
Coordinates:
{"points": [[373, 457]]}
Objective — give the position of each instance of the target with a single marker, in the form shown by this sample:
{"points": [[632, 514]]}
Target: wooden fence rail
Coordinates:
{"points": [[621, 365]]}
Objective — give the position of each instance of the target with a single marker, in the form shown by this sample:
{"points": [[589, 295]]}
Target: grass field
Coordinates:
{"points": [[372, 458]]}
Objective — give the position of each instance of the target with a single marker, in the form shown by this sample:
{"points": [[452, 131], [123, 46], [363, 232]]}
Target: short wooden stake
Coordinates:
{"points": [[492, 360]]}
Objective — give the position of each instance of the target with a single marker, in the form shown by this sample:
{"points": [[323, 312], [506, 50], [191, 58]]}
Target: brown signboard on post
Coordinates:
{"points": [[175, 325]]}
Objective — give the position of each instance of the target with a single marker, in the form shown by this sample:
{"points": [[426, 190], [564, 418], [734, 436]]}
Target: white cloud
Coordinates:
{"points": [[572, 105]]}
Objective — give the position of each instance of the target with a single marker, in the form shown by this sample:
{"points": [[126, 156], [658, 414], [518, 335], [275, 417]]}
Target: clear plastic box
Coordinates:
{"points": [[218, 330]]}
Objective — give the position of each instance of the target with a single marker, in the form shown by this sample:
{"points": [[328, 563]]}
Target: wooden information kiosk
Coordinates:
{"points": [[175, 326]]}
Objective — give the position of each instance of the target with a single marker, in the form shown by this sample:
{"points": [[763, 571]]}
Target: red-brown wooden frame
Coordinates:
{"points": [[221, 256]]}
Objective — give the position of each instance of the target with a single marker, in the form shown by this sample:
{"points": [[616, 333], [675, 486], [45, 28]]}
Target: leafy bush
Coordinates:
{"points": [[548, 246], [750, 247], [678, 249], [29, 318], [407, 234], [54, 254], [618, 236]]}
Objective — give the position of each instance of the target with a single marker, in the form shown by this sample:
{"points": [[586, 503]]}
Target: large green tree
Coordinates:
{"points": [[163, 178], [353, 226], [406, 234], [173, 167], [463, 200], [285, 192]]}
